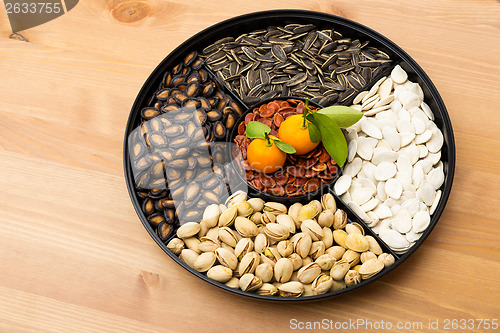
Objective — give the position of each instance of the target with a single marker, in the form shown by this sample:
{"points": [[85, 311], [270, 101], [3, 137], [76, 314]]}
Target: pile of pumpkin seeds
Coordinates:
{"points": [[295, 60]]}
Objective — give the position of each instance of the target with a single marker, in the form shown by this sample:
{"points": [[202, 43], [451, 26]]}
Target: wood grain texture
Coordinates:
{"points": [[74, 255]]}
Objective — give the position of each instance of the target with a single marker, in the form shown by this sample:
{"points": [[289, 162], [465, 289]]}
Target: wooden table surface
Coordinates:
{"points": [[74, 256]]}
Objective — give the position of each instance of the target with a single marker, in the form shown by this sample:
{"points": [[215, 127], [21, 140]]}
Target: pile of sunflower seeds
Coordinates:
{"points": [[295, 60]]}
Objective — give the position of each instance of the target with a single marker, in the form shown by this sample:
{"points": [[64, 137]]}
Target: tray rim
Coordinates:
{"points": [[307, 14]]}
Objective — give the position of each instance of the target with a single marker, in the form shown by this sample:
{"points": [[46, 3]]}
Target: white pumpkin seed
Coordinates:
{"points": [[382, 211], [370, 129], [403, 221], [364, 148], [359, 97], [394, 239], [385, 170], [398, 75], [352, 147], [427, 110], [353, 168], [435, 202], [393, 188], [385, 88], [342, 184], [436, 141], [421, 221], [361, 196], [369, 205], [384, 156], [427, 194]]}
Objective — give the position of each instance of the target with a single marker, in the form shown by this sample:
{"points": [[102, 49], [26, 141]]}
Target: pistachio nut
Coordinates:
{"points": [[233, 282], [357, 267], [352, 257], [207, 244], [354, 227], [192, 243], [203, 228], [370, 267], [328, 202], [176, 245], [220, 273], [275, 207], [296, 261], [357, 242], [226, 258], [306, 261], [291, 289], [325, 218], [387, 259], [227, 217], [211, 215], [327, 237], [293, 212], [283, 270], [235, 199], [286, 221], [308, 273], [276, 284], [317, 250], [325, 261], [249, 282], [336, 251], [222, 208], [339, 237], [307, 212], [267, 289], [339, 219], [374, 246], [265, 272], [213, 233], [267, 217], [257, 204], [244, 246], [227, 247], [261, 242], [188, 229], [338, 285], [227, 235], [271, 255], [276, 231], [189, 257], [244, 209], [285, 248], [321, 284], [205, 261], [245, 227], [352, 278], [317, 205], [339, 270], [308, 291], [302, 244], [312, 228], [256, 218], [248, 263], [366, 256], [294, 276]]}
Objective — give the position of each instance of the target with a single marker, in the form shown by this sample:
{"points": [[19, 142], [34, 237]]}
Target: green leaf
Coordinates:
{"points": [[332, 137], [310, 117], [314, 133], [283, 146], [344, 116], [257, 130]]}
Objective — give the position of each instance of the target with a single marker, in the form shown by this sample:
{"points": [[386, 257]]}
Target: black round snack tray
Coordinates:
{"points": [[259, 20]]}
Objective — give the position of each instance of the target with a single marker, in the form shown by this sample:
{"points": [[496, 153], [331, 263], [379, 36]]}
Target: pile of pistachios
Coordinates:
{"points": [[272, 249]]}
